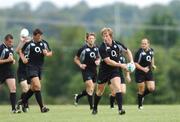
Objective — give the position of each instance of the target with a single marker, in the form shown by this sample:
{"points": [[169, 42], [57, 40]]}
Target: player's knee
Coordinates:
{"points": [[141, 90], [123, 91], [113, 93], [37, 87], [25, 89], [151, 89], [99, 93], [90, 92], [13, 89]]}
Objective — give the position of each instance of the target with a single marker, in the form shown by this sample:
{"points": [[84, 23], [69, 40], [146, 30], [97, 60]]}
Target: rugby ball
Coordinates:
{"points": [[24, 32], [131, 67]]}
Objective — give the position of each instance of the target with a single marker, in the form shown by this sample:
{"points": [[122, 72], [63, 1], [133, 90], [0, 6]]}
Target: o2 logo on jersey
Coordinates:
{"points": [[113, 53], [92, 55], [26, 56], [148, 58], [10, 54], [37, 49]]}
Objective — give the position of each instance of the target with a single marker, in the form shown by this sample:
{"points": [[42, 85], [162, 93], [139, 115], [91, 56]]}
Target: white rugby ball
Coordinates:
{"points": [[131, 67], [24, 32]]}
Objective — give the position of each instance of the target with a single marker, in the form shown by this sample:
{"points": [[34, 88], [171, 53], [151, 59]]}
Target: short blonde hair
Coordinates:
{"points": [[107, 30]]}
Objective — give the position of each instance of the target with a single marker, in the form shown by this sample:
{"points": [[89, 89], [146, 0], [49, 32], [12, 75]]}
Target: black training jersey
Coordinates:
{"points": [[34, 51], [21, 64], [4, 54], [88, 55], [113, 52], [122, 59], [144, 58]]}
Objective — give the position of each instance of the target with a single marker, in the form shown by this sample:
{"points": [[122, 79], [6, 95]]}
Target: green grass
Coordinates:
{"points": [[81, 113]]}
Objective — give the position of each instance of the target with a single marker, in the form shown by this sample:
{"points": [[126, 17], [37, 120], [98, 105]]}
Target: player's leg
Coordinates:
{"points": [[97, 97], [123, 84], [150, 83], [89, 90], [150, 87], [36, 86], [112, 96], [140, 80], [141, 89], [85, 76], [115, 81], [79, 96], [24, 87], [123, 88], [11, 83]]}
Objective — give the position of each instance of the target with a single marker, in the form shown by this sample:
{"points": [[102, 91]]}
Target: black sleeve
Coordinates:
{"points": [[137, 56], [152, 51], [79, 52], [46, 46], [121, 47], [103, 52], [1, 51], [25, 46], [98, 54]]}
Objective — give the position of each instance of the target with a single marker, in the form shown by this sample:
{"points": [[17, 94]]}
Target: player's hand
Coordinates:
{"points": [[97, 62], [24, 39], [154, 67], [83, 66], [14, 61], [10, 58], [25, 60], [45, 52], [124, 66], [146, 69]]}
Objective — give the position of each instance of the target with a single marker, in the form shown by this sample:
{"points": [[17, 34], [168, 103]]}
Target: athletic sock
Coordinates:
{"points": [[13, 100], [39, 98], [140, 100], [119, 100], [22, 95], [90, 100], [83, 93], [27, 96], [111, 101], [146, 92], [96, 101]]}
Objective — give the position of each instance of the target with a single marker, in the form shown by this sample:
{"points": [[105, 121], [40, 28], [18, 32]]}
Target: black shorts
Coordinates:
{"points": [[34, 71], [121, 77], [22, 74], [141, 76], [104, 77], [89, 75], [6, 74]]}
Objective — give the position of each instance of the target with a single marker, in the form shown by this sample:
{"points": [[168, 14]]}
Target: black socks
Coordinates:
{"points": [[13, 100], [119, 100]]}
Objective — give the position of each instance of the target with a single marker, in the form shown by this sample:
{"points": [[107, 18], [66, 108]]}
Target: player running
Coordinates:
{"points": [[36, 49], [87, 58], [110, 51], [144, 61], [7, 74]]}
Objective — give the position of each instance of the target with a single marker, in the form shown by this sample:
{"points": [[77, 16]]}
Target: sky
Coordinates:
{"points": [[91, 3]]}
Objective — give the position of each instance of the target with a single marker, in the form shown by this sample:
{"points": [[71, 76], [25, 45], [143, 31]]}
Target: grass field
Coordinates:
{"points": [[81, 113]]}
